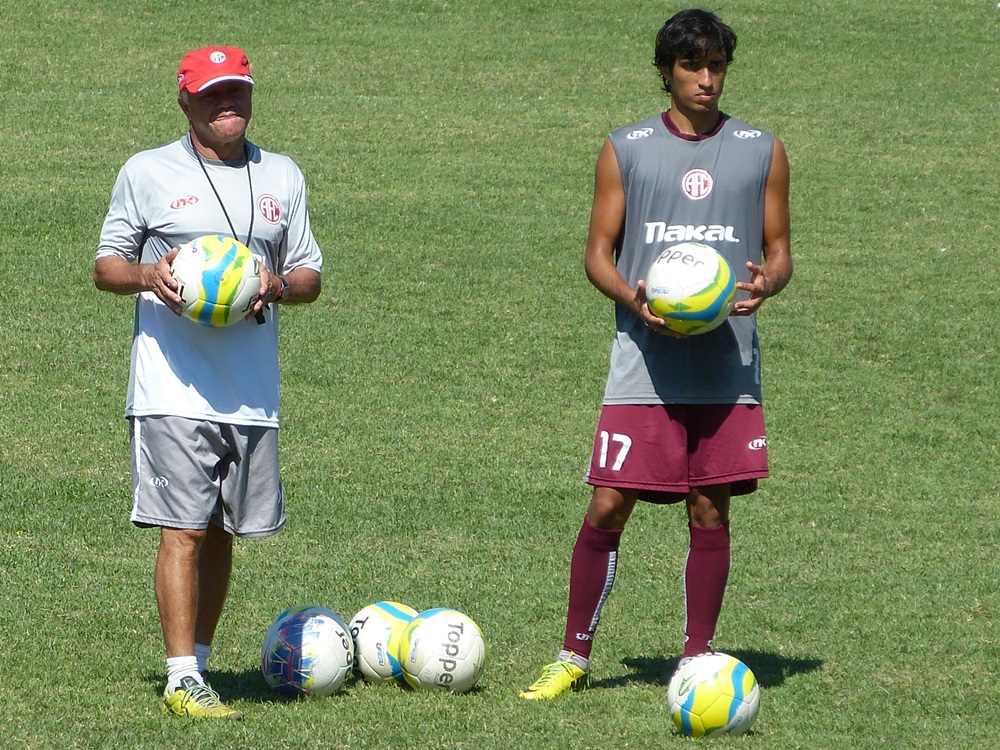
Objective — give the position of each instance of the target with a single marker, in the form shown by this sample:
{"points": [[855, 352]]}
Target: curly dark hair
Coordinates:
{"points": [[690, 34]]}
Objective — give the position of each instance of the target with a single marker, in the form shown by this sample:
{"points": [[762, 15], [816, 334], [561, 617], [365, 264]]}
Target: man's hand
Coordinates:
{"points": [[760, 288], [156, 278], [652, 320], [265, 295]]}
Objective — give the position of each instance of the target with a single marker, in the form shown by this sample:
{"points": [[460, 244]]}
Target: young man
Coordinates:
{"points": [[202, 402], [681, 420]]}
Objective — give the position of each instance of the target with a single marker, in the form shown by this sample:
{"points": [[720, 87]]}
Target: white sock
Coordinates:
{"points": [[202, 652], [179, 667]]}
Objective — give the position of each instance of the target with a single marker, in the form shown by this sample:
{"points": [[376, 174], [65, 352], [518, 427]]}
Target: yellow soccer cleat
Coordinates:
{"points": [[557, 678], [197, 701]]}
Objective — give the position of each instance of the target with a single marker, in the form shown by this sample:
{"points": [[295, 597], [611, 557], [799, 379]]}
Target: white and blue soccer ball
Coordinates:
{"points": [[307, 651], [218, 280], [692, 287], [442, 649], [378, 633], [713, 694]]}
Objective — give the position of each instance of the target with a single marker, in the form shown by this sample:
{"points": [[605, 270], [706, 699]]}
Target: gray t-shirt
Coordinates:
{"points": [[163, 199], [708, 189]]}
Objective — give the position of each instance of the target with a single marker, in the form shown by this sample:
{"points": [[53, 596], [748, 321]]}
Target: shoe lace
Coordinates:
{"points": [[203, 695], [552, 671]]}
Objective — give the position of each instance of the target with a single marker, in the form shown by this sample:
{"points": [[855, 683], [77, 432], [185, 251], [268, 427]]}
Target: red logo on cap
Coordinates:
{"points": [[208, 66], [269, 208]]}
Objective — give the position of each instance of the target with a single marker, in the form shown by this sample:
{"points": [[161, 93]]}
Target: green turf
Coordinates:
{"points": [[439, 400]]}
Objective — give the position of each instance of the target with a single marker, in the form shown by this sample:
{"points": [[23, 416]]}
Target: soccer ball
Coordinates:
{"points": [[378, 631], [713, 694], [307, 651], [692, 287], [217, 279], [442, 649]]}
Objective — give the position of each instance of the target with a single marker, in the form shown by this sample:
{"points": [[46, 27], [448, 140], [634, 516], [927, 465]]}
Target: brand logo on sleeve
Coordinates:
{"points": [[640, 133]]}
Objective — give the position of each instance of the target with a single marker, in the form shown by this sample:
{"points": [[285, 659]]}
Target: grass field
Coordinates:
{"points": [[439, 399]]}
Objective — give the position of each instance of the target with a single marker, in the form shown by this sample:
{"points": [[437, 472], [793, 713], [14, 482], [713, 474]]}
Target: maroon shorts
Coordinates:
{"points": [[665, 450]]}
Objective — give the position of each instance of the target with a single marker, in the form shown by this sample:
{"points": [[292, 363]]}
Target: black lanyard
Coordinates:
{"points": [[246, 157], [259, 317]]}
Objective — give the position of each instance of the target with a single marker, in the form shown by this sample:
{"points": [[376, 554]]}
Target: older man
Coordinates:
{"points": [[202, 402]]}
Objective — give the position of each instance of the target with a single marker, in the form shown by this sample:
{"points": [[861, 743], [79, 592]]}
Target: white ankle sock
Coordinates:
{"points": [[179, 667]]}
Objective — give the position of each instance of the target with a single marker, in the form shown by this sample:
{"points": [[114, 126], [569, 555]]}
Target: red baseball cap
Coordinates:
{"points": [[208, 66]]}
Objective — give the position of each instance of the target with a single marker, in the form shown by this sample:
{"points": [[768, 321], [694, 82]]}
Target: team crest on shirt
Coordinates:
{"points": [[697, 184], [269, 208]]}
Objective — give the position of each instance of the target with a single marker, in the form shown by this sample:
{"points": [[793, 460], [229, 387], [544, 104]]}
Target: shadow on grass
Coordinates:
{"points": [[248, 685], [769, 669]]}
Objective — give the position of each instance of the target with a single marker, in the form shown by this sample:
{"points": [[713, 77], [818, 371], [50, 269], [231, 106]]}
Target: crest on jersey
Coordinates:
{"points": [[697, 184], [269, 208]]}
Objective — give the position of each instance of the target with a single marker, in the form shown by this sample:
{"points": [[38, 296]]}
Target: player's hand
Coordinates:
{"points": [[159, 281], [265, 295], [651, 319], [760, 288]]}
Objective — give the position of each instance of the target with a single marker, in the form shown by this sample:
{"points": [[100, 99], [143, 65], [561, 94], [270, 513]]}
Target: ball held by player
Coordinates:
{"points": [[692, 287]]}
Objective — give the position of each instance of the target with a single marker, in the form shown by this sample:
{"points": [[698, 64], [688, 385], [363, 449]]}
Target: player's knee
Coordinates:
{"points": [[609, 509], [181, 542], [706, 510]]}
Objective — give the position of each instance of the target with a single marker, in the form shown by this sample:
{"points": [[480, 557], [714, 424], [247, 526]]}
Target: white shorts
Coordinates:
{"points": [[188, 473]]}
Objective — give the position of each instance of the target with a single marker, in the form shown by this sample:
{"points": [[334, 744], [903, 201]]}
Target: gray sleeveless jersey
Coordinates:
{"points": [[678, 190]]}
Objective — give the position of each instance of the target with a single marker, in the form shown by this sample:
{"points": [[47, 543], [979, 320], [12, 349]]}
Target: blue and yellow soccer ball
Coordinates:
{"points": [[218, 280], [692, 287], [307, 651], [442, 649], [378, 632], [713, 694]]}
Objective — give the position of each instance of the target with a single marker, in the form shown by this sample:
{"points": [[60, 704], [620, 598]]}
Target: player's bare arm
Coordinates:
{"points": [[770, 278], [300, 286], [304, 285], [116, 274], [607, 215]]}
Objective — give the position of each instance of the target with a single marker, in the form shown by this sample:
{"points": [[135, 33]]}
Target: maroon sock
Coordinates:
{"points": [[591, 576], [705, 577]]}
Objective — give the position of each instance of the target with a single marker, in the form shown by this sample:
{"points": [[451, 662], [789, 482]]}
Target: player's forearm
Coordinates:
{"points": [[778, 270], [304, 285], [117, 275], [604, 275]]}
